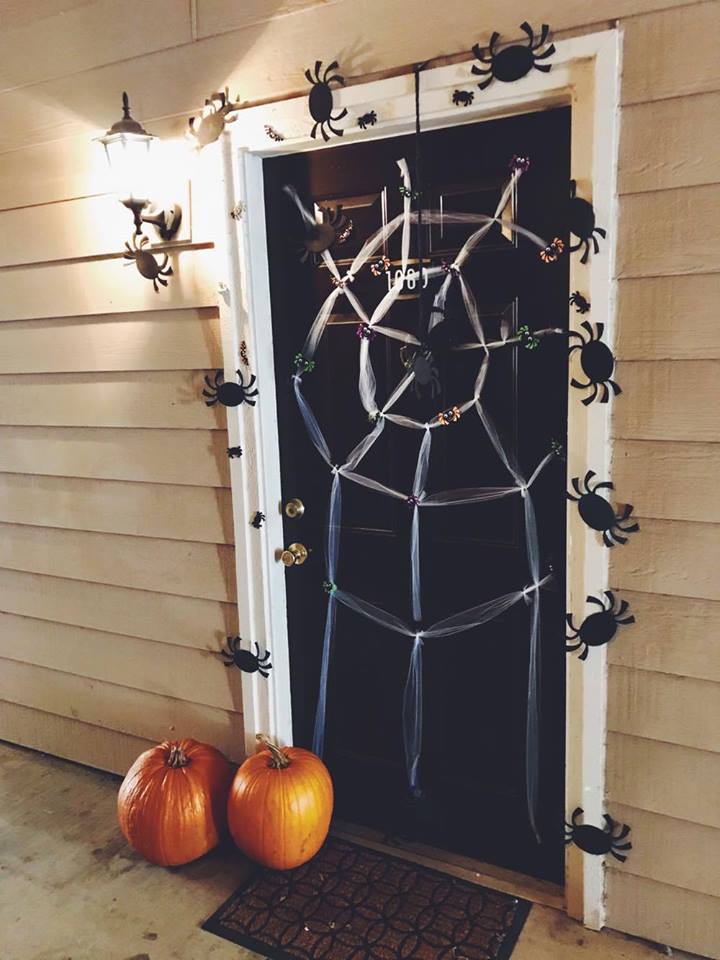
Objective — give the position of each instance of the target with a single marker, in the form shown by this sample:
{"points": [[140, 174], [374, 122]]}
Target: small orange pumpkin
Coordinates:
{"points": [[172, 803], [280, 806]]}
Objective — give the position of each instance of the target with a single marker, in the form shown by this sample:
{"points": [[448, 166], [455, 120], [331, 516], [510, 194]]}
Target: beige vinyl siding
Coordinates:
{"points": [[116, 559]]}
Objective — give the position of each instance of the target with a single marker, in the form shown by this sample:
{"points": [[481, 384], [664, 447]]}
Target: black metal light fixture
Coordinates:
{"points": [[129, 148]]}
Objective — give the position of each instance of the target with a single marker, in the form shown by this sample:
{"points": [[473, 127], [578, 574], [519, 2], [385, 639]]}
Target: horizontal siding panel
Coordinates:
{"points": [[668, 318], [680, 131], [105, 286], [167, 618], [189, 569], [167, 399], [663, 913], [670, 851], [672, 557], [670, 635], [669, 232], [194, 457], [202, 514], [668, 400], [670, 53], [71, 739], [150, 716], [679, 480], [221, 16], [654, 776], [192, 675], [657, 706], [163, 340]]}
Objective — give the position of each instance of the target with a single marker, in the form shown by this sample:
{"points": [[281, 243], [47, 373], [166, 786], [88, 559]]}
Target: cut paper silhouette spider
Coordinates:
{"points": [[579, 302], [463, 98], [596, 841], [598, 513], [422, 363], [320, 101], [598, 628], [597, 362], [513, 62], [146, 263], [229, 394], [368, 119], [581, 220], [248, 662]]}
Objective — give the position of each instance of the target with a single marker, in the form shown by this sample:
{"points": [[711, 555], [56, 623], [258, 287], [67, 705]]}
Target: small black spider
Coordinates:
{"points": [[420, 360], [274, 134], [581, 304], [463, 98], [594, 840], [320, 101], [598, 513], [243, 353], [598, 628], [229, 394], [234, 452], [368, 119], [513, 62], [258, 520], [246, 661], [333, 226], [597, 362], [581, 220]]}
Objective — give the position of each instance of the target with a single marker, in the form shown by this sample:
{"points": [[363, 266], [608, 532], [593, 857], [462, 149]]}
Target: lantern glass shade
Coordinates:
{"points": [[130, 157]]}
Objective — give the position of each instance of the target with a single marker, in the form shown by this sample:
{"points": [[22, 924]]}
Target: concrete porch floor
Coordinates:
{"points": [[71, 888]]}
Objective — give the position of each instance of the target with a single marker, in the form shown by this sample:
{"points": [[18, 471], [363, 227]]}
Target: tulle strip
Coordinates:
{"points": [[412, 715]]}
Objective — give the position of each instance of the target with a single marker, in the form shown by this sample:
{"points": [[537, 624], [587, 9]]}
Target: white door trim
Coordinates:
{"points": [[585, 74]]}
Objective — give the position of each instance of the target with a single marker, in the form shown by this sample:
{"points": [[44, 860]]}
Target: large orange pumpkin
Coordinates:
{"points": [[280, 805], [172, 803]]}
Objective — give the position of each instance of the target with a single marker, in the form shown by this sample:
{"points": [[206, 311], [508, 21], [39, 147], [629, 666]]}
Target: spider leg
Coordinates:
{"points": [[596, 245], [478, 70], [338, 131], [323, 131], [605, 393], [614, 387], [330, 67], [313, 132], [587, 326], [577, 813], [588, 400], [478, 54], [583, 655], [588, 480], [622, 846], [630, 619], [335, 117], [576, 488], [211, 402], [586, 254], [618, 856], [607, 539], [318, 65], [601, 231], [569, 621], [544, 67], [621, 836], [626, 513], [162, 281], [486, 83], [526, 28], [603, 486], [548, 53], [544, 31], [581, 386], [263, 673]]}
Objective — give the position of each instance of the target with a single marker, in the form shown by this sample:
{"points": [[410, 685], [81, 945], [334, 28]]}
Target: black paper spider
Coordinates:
{"points": [[258, 520], [229, 394], [234, 452], [146, 263], [598, 513], [319, 237], [368, 119], [578, 300], [598, 628], [463, 98], [581, 220], [594, 840], [320, 101], [420, 360], [597, 362], [513, 62], [246, 661]]}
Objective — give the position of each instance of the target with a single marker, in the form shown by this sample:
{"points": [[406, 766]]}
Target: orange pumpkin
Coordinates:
{"points": [[280, 806], [172, 803]]}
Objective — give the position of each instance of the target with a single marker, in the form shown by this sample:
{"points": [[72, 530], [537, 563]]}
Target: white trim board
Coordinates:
{"points": [[585, 74]]}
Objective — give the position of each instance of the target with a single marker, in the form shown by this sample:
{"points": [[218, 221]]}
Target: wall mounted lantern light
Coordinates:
{"points": [[129, 148]]}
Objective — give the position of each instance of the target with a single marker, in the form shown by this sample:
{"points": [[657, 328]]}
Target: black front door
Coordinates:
{"points": [[472, 769]]}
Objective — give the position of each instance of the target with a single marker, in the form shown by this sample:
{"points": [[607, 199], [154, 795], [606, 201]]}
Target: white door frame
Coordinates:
{"points": [[585, 74]]}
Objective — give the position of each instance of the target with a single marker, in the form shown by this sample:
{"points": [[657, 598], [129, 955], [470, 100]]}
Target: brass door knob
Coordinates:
{"points": [[294, 508], [294, 555]]}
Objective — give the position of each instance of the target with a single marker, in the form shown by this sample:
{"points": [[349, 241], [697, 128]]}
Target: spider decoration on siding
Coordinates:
{"points": [[146, 263], [579, 302], [597, 362], [229, 394], [596, 841], [334, 227], [463, 98], [598, 513], [234, 452], [598, 628], [320, 101], [368, 119], [258, 520], [420, 360], [248, 662], [513, 62], [581, 220], [208, 127]]}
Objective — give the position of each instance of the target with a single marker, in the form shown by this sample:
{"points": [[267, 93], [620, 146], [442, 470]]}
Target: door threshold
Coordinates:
{"points": [[466, 868]]}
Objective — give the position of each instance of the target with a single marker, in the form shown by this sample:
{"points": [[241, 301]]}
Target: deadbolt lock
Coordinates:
{"points": [[294, 555], [294, 508]]}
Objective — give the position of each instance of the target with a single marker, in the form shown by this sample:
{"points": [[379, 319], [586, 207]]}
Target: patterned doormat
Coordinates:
{"points": [[350, 903]]}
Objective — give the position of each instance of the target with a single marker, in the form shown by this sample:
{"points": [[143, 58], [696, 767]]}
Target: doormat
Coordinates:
{"points": [[351, 902]]}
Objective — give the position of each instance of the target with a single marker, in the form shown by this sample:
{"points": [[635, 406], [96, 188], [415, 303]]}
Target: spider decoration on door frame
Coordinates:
{"points": [[368, 119], [245, 660], [514, 62], [146, 263], [597, 362], [598, 628], [596, 841], [598, 513], [333, 227], [581, 222], [463, 98], [229, 394], [258, 519], [579, 302], [320, 100], [234, 453]]}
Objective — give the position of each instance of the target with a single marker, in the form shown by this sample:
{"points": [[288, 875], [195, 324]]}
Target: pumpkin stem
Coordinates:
{"points": [[177, 756], [278, 760]]}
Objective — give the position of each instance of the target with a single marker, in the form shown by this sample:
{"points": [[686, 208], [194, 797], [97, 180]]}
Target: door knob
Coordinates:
{"points": [[294, 508], [295, 555]]}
